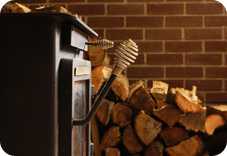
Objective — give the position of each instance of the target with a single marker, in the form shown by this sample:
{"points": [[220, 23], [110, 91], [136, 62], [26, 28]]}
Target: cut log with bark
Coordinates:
{"points": [[188, 101], [99, 75], [121, 115], [189, 147], [104, 111], [112, 152], [130, 141], [133, 87], [142, 100], [218, 109], [174, 135], [14, 7], [170, 115], [154, 149], [95, 137], [159, 90], [120, 87], [194, 121], [146, 128], [213, 122], [98, 56], [111, 138]]}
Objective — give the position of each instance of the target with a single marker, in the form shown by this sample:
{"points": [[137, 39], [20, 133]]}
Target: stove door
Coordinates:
{"points": [[75, 100]]}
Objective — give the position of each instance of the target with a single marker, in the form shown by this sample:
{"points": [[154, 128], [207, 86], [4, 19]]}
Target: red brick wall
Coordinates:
{"points": [[181, 41]]}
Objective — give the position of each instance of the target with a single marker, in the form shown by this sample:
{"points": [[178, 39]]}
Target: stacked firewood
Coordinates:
{"points": [[139, 121]]}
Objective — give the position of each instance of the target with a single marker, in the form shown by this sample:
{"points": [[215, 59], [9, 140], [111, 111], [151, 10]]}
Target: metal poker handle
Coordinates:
{"points": [[125, 54]]}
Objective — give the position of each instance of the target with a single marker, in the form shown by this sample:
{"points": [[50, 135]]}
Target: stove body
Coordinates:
{"points": [[46, 83]]}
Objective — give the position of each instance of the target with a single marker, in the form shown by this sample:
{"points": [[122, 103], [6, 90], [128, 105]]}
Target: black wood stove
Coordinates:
{"points": [[45, 84]]}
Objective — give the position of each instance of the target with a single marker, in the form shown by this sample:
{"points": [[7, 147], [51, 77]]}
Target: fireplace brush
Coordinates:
{"points": [[125, 54]]}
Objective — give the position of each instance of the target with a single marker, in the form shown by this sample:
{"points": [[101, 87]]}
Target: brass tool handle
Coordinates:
{"points": [[126, 53]]}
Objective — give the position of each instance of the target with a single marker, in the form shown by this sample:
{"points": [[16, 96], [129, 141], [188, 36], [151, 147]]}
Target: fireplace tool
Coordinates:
{"points": [[125, 54], [101, 43]]}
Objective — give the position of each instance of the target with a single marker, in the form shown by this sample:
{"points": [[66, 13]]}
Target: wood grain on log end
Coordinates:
{"points": [[121, 115], [146, 128], [130, 141], [213, 122], [104, 111], [189, 147]]}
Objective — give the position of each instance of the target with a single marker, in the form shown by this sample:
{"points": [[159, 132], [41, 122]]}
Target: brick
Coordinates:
{"points": [[225, 59], [145, 0], [67, 1], [215, 21], [203, 59], [165, 9], [203, 34], [184, 72], [105, 22], [150, 46], [225, 84], [164, 59], [216, 46], [87, 9], [184, 0], [204, 8], [144, 21], [31, 1], [184, 21], [183, 46], [145, 72], [100, 32], [125, 9], [123, 34], [109, 1], [163, 34], [140, 59], [205, 85], [216, 72], [217, 97], [172, 83]]}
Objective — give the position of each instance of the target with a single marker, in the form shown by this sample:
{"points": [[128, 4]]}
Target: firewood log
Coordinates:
{"points": [[104, 111], [159, 90], [121, 115], [14, 7], [95, 137], [133, 87], [193, 121], [188, 101], [99, 75], [112, 152], [218, 109], [169, 115], [137, 154], [142, 100], [174, 135], [130, 141], [154, 149], [146, 128], [213, 122], [189, 147], [120, 87], [98, 56], [111, 138]]}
